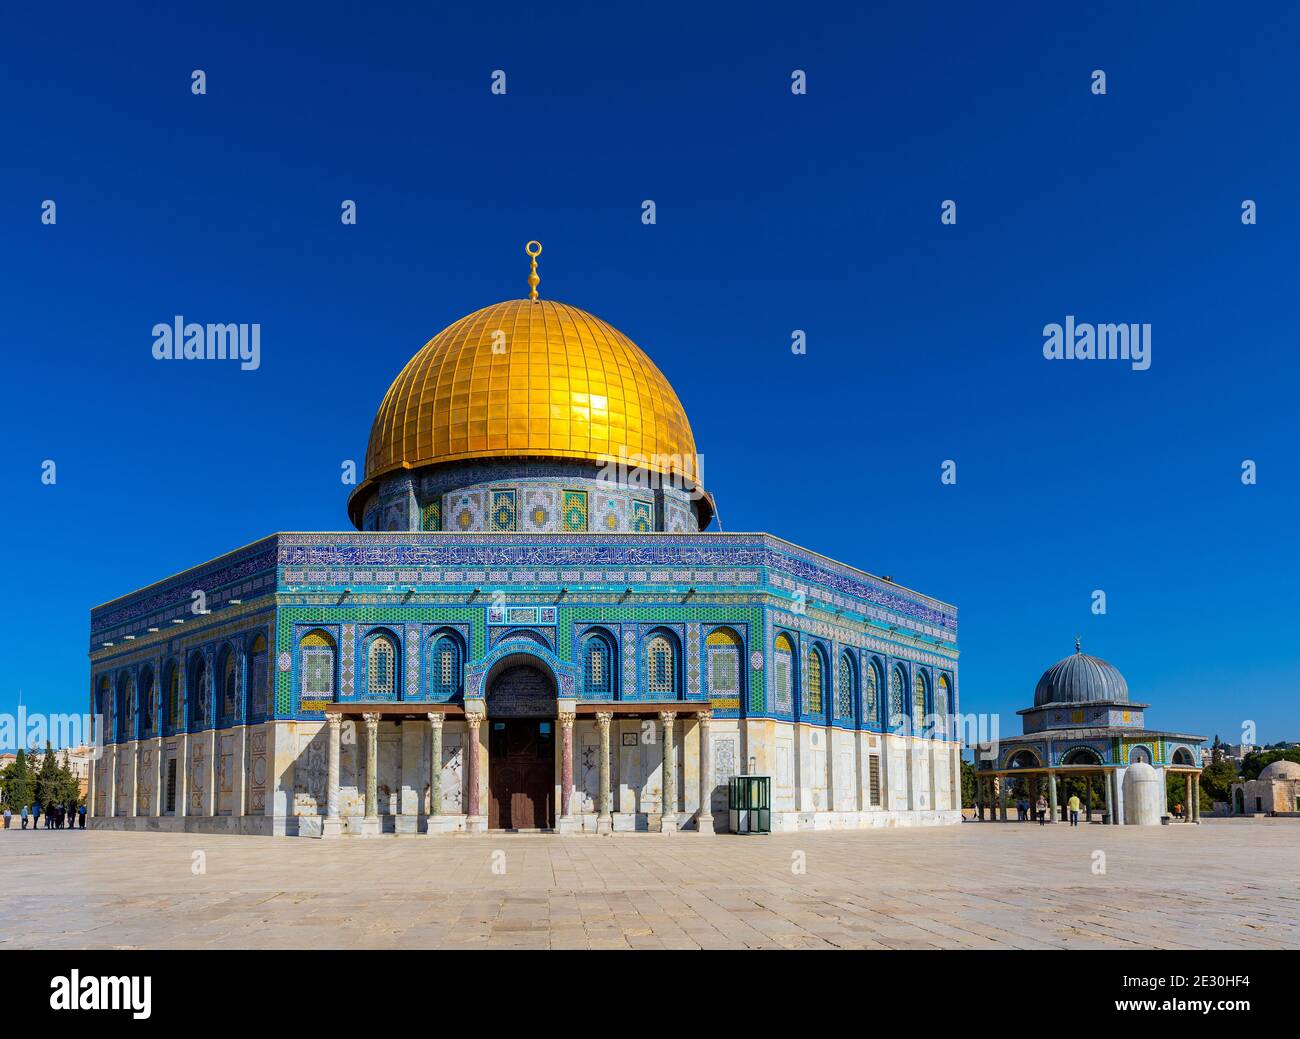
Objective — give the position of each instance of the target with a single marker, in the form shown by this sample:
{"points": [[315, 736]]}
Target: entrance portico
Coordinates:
{"points": [[484, 787]]}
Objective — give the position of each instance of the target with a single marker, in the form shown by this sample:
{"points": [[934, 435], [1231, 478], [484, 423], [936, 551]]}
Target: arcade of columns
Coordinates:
{"points": [[475, 819], [993, 791]]}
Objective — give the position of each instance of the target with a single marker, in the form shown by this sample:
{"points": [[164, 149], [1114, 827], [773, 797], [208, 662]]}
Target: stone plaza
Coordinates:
{"points": [[1223, 884]]}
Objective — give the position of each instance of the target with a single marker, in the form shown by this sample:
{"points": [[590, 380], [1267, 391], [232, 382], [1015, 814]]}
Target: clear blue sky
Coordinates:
{"points": [[775, 212]]}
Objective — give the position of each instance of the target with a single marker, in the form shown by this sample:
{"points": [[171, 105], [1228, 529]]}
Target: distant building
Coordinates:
{"points": [[1276, 790], [1237, 751]]}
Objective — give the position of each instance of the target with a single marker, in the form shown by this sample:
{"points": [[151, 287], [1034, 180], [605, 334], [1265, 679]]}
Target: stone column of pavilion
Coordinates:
{"points": [[370, 825], [1051, 796], [566, 823], [668, 806], [705, 821], [333, 825], [1196, 797], [604, 817], [435, 772], [1110, 801], [474, 821]]}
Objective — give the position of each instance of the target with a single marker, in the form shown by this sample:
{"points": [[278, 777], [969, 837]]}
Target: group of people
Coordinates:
{"points": [[1073, 806], [57, 817]]}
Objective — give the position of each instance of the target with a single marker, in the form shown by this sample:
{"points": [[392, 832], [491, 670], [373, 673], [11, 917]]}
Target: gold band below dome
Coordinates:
{"points": [[530, 379]]}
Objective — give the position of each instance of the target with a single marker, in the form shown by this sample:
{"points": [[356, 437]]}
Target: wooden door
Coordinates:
{"points": [[521, 774]]}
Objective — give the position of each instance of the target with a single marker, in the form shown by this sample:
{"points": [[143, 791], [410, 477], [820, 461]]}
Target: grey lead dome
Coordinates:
{"points": [[1080, 678]]}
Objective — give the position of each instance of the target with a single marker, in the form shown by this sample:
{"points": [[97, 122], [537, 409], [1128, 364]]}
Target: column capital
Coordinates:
{"points": [[567, 718], [435, 719], [705, 715], [334, 721], [603, 718], [667, 717], [475, 718], [371, 719]]}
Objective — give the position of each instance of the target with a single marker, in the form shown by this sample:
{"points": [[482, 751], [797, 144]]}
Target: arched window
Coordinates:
{"points": [[597, 666], [198, 690], [146, 701], [942, 706], [316, 660], [816, 682], [125, 708], [381, 666], [661, 666], [104, 708], [783, 672], [918, 700], [229, 687], [444, 666], [172, 709], [871, 695], [259, 693], [722, 648], [897, 697], [846, 687]]}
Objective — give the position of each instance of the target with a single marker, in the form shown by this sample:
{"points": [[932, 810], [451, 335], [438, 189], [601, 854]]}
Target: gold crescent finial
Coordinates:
{"points": [[533, 249]]}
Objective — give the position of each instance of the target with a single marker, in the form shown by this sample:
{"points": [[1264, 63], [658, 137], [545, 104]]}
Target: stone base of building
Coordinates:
{"points": [[410, 825]]}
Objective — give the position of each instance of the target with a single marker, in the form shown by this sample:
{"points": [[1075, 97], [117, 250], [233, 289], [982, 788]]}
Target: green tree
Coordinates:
{"points": [[48, 783], [1217, 779], [19, 781], [1255, 762], [71, 789], [967, 784]]}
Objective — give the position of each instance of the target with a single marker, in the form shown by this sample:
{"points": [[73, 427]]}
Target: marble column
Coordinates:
{"points": [[182, 775], [332, 825], [1187, 800], [435, 771], [158, 777], [1003, 783], [1110, 801], [1051, 796], [1196, 797], [705, 823], [92, 784], [566, 768], [370, 825], [112, 782], [604, 818], [473, 806], [213, 795], [668, 803], [134, 810]]}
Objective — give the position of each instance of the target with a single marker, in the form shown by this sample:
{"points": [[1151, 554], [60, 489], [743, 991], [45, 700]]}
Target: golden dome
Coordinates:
{"points": [[532, 379]]}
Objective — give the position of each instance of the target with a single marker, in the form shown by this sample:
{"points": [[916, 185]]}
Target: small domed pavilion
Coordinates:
{"points": [[1083, 727]]}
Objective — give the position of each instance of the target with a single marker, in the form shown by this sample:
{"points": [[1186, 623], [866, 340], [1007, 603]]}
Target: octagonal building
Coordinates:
{"points": [[532, 626]]}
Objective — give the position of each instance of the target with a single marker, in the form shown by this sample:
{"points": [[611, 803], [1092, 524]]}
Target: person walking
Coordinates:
{"points": [[36, 814], [81, 813], [72, 815], [22, 814], [1074, 805], [1040, 808], [8, 816]]}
